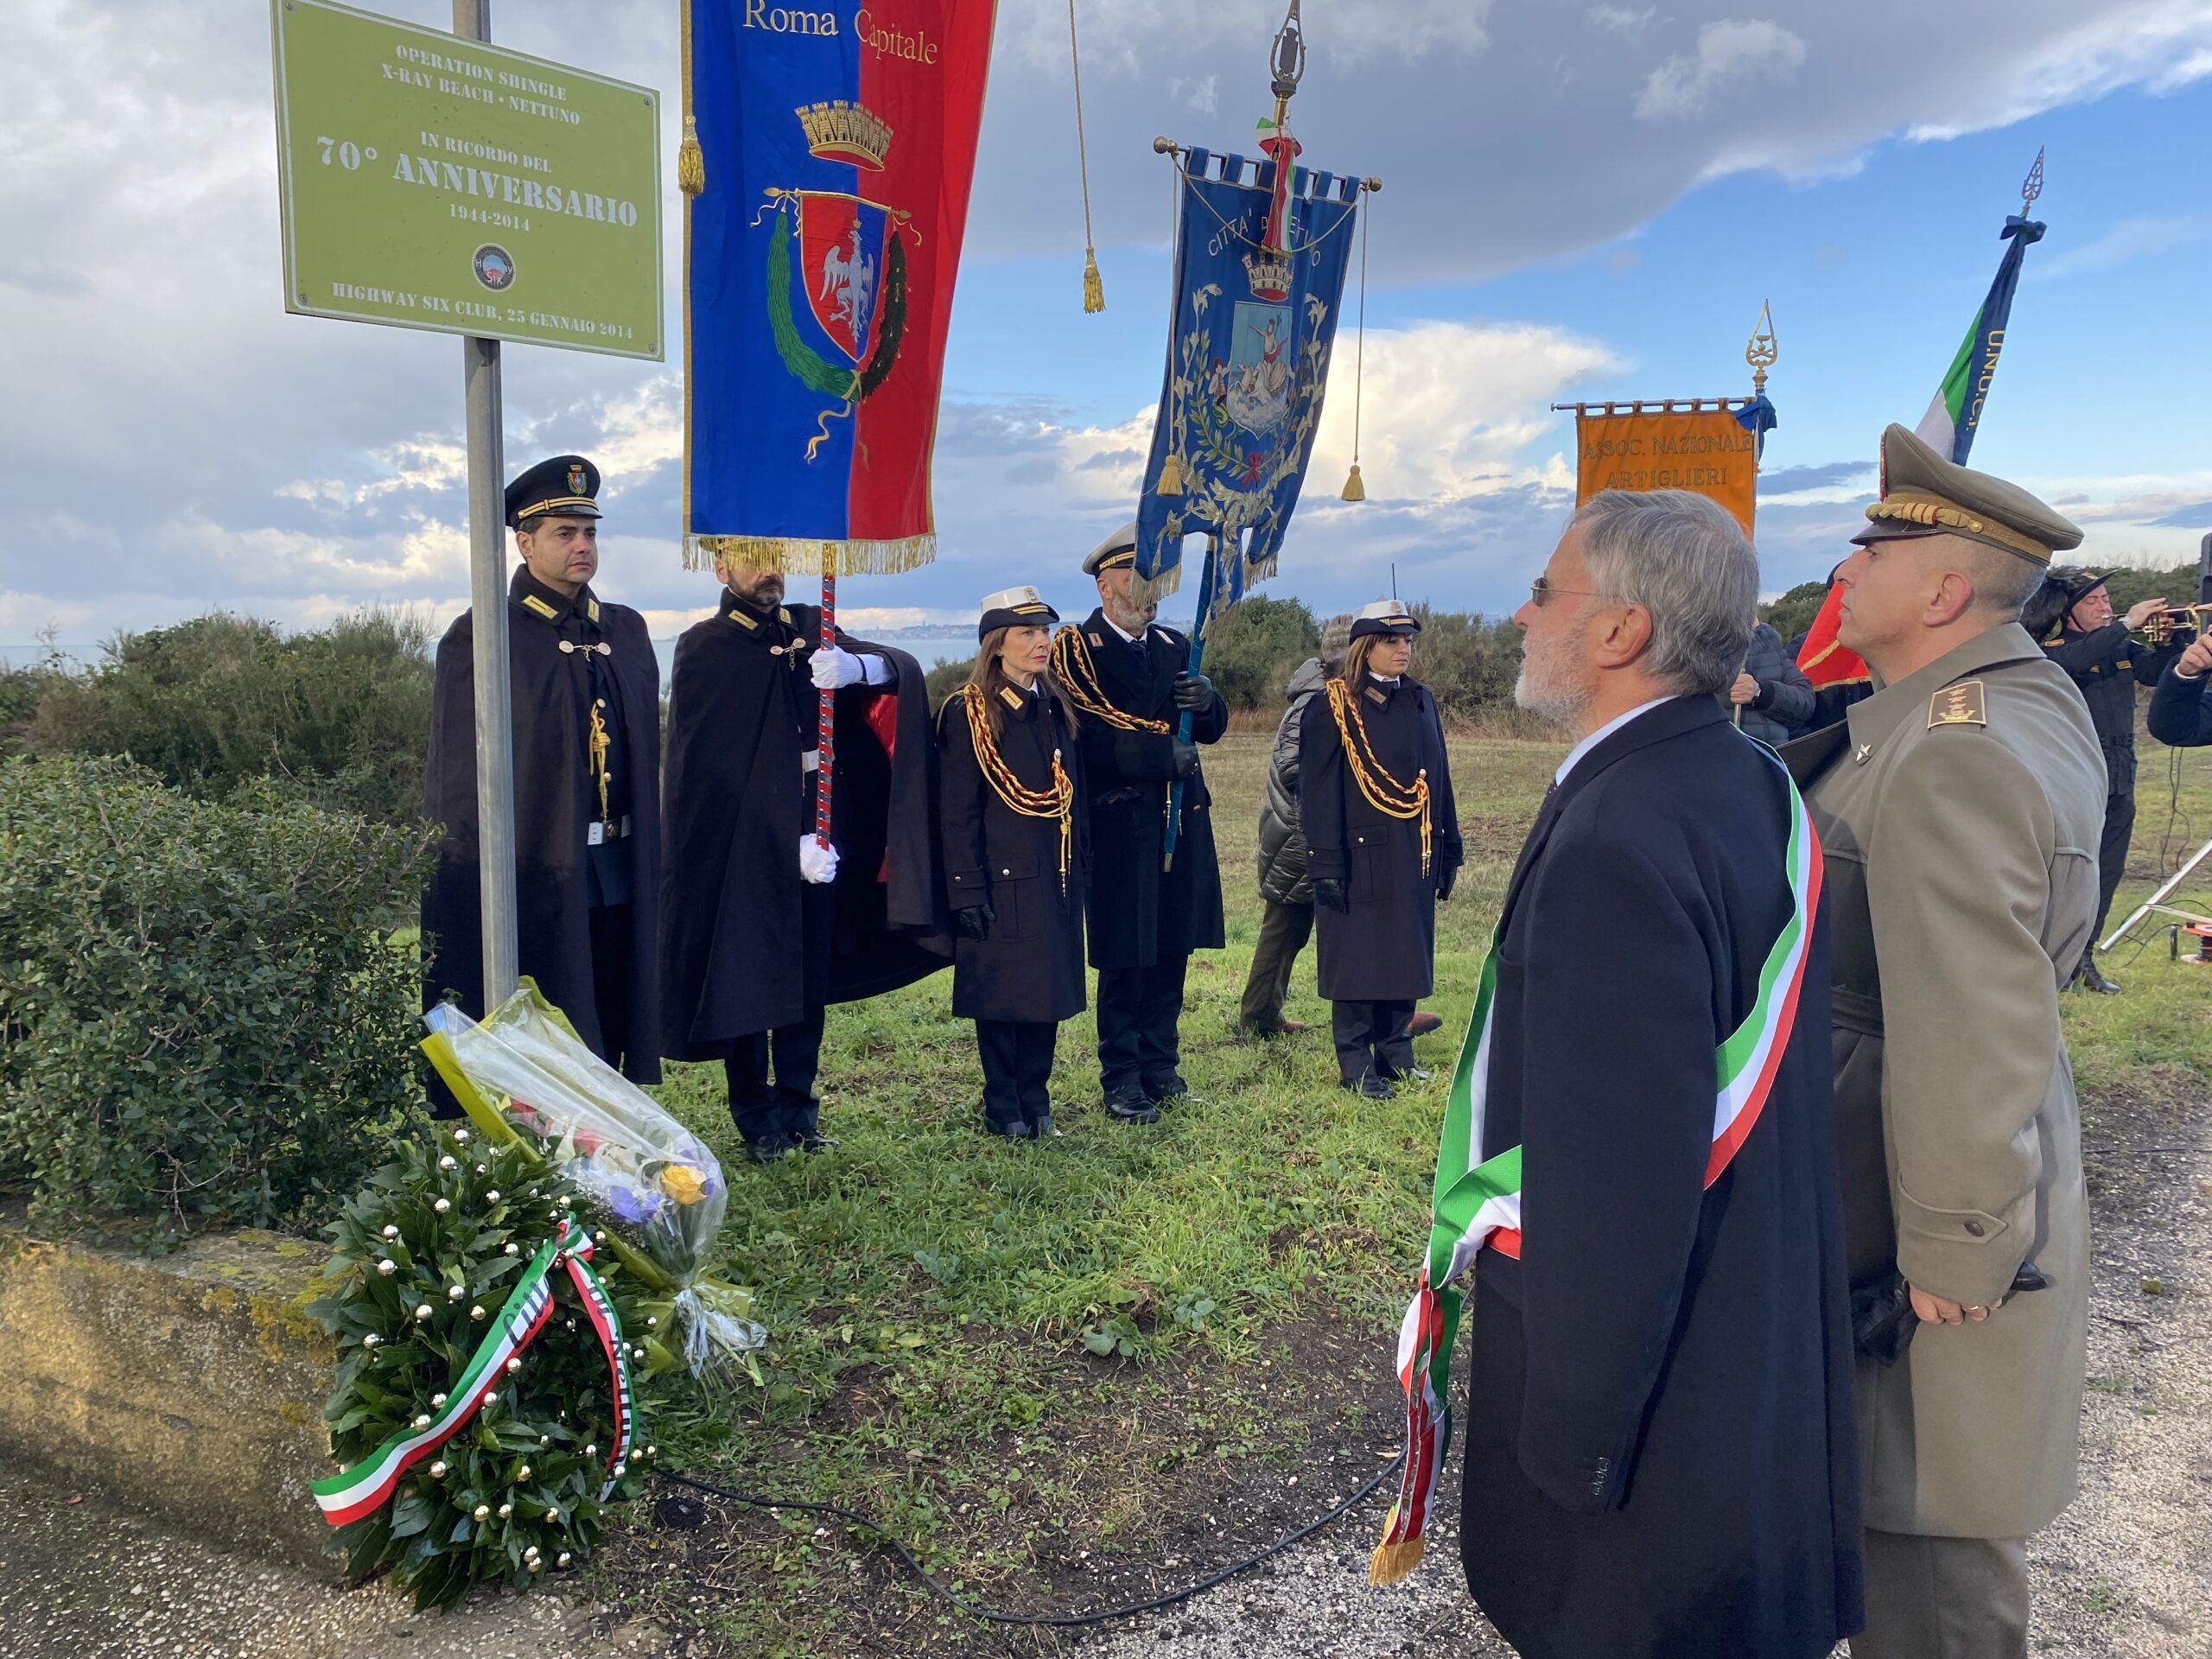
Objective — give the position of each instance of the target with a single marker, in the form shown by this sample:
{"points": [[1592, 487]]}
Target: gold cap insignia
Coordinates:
{"points": [[1958, 705]]}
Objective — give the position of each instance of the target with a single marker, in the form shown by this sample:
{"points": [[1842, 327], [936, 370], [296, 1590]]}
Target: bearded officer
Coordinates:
{"points": [[1960, 807], [587, 764], [1128, 679]]}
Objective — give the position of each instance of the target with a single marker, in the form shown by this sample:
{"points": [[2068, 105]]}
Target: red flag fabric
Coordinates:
{"points": [[1826, 661]]}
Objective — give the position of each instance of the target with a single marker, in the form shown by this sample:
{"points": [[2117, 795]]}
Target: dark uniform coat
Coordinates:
{"points": [[1030, 967], [1959, 809], [746, 946], [1384, 948], [1660, 1459], [557, 802], [1142, 915], [2106, 666], [2180, 716]]}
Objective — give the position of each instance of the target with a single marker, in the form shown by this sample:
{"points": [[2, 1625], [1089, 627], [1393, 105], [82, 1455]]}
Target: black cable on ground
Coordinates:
{"points": [[1064, 1621]]}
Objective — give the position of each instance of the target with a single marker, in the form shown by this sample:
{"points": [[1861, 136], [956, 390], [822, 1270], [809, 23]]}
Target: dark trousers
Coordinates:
{"points": [[1284, 930], [610, 979], [1372, 1036], [1138, 1009], [2112, 860], [788, 1107], [1017, 1057]]}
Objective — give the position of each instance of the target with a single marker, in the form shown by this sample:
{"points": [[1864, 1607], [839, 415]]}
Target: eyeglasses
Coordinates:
{"points": [[1542, 589]]}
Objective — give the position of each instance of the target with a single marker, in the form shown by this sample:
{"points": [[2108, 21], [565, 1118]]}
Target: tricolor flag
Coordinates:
{"points": [[1954, 416]]}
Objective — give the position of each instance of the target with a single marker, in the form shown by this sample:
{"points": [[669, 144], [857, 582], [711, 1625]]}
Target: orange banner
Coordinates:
{"points": [[1708, 453]]}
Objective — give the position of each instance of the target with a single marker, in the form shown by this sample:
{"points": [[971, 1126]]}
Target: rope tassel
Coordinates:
{"points": [[1094, 289]]}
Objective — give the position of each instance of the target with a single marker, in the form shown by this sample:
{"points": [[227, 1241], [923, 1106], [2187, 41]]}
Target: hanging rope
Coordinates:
{"points": [[1356, 490], [1094, 290], [1376, 786], [690, 160], [1057, 801], [1079, 679]]}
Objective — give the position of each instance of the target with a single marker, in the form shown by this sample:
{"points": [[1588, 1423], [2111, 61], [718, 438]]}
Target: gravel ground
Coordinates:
{"points": [[2125, 1574]]}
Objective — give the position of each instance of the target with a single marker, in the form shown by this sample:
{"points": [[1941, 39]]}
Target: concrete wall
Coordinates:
{"points": [[191, 1386]]}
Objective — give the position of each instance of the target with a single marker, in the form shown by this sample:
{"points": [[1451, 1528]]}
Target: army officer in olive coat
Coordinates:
{"points": [[1959, 807]]}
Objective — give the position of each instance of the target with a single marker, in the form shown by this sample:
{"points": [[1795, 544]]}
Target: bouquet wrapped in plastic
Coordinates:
{"points": [[525, 1076]]}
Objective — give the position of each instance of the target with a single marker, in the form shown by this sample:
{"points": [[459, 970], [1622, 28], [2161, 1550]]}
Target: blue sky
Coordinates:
{"points": [[1581, 201]]}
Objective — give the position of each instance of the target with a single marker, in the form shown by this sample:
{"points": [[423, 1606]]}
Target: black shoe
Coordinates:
{"points": [[2094, 981], [1373, 1084], [1128, 1104], [1014, 1131], [1419, 1074], [1043, 1129], [1160, 1091], [769, 1147], [815, 1141]]}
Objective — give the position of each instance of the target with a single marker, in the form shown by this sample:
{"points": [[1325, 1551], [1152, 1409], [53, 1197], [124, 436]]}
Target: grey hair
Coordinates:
{"points": [[1685, 560]]}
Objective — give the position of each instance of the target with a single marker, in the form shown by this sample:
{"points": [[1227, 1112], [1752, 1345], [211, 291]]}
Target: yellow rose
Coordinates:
{"points": [[684, 1184]]}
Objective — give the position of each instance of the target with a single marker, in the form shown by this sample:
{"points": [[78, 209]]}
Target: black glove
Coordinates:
{"points": [[1330, 895], [1193, 692], [1446, 882], [975, 922], [1186, 757]]}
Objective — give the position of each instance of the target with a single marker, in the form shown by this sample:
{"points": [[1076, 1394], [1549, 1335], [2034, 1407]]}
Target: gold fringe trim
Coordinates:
{"points": [[1094, 286], [1392, 1562], [1167, 582], [808, 557], [1170, 476]]}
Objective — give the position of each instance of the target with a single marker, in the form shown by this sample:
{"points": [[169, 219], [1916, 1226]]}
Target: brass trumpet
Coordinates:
{"points": [[2160, 626]]}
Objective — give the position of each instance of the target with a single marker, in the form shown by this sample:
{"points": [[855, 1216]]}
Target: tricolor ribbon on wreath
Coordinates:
{"points": [[1478, 1202], [368, 1485]]}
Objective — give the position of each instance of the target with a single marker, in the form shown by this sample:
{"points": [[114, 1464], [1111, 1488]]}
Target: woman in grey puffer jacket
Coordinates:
{"points": [[1285, 896]]}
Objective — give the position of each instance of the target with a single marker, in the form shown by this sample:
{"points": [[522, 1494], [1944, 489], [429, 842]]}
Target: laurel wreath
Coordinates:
{"points": [[809, 366]]}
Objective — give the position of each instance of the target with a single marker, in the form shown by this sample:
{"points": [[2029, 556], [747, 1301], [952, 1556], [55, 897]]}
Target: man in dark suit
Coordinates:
{"points": [[1128, 679], [1660, 1457]]}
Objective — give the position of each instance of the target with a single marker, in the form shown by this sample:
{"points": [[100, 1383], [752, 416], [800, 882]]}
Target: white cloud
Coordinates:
{"points": [[1619, 20], [1730, 56], [2130, 240]]}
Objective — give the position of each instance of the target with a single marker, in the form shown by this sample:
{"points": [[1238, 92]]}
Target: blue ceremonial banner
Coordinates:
{"points": [[1248, 362]]}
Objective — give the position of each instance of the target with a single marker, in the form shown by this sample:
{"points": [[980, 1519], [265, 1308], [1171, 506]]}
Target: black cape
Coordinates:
{"points": [[1661, 1456], [1384, 950], [734, 945], [556, 801], [1030, 965], [1141, 915]]}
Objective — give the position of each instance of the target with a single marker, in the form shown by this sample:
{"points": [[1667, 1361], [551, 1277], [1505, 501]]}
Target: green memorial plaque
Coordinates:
{"points": [[431, 182]]}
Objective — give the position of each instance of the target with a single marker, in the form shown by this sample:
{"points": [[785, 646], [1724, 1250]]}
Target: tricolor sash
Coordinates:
{"points": [[368, 1485], [1477, 1200]]}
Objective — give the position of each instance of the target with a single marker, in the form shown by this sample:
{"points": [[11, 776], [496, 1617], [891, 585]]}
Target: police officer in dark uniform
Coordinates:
{"points": [[1128, 679], [1015, 858], [2093, 646], [1382, 845], [586, 691]]}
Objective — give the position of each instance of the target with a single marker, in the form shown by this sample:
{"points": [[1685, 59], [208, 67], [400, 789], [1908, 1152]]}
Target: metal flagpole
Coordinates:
{"points": [[825, 718], [1184, 726], [495, 747]]}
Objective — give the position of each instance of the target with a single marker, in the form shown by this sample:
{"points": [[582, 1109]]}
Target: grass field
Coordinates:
{"points": [[1056, 1370]]}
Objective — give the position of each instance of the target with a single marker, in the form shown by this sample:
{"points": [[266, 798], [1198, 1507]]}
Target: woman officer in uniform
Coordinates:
{"points": [[1016, 858], [1382, 845]]}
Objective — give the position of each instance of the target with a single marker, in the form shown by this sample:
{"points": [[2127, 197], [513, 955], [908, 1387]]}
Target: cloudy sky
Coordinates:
{"points": [[1581, 201]]}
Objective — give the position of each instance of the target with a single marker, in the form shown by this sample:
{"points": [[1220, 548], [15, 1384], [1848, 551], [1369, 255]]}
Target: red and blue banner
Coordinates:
{"points": [[829, 150], [1248, 362]]}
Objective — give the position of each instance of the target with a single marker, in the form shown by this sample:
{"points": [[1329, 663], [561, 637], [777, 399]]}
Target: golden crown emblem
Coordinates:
{"points": [[1269, 272], [840, 131]]}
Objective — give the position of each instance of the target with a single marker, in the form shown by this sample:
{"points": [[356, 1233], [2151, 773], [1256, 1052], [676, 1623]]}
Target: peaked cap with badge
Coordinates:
{"points": [[565, 486], [1384, 616], [1959, 809], [1014, 607], [1118, 550]]}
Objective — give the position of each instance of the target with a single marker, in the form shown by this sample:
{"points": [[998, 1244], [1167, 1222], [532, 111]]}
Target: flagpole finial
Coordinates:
{"points": [[1288, 59], [2032, 187], [1760, 350]]}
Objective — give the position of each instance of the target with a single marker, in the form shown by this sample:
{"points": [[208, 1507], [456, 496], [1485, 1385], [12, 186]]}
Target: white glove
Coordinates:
{"points": [[817, 864], [834, 668]]}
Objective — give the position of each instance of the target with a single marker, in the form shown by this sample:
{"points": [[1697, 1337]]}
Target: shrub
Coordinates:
{"points": [[1793, 613], [200, 1019], [339, 716], [1251, 652], [1468, 662], [944, 678]]}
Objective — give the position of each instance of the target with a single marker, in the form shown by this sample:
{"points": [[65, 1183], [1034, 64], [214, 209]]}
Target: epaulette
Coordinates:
{"points": [[1958, 705]]}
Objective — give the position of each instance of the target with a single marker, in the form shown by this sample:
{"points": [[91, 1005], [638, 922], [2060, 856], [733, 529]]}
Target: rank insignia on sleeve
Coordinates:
{"points": [[1958, 705], [532, 601]]}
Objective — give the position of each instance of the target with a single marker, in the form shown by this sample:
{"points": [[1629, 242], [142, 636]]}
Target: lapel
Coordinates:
{"points": [[1671, 719], [1133, 681], [1879, 718]]}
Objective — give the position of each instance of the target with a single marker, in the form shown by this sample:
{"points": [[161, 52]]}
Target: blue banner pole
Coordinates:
{"points": [[1183, 728]]}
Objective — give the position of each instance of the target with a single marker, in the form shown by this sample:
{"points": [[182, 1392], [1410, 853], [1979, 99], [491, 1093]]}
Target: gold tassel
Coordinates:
{"points": [[1170, 476], [1094, 290], [1354, 489], [1392, 1562], [690, 162]]}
